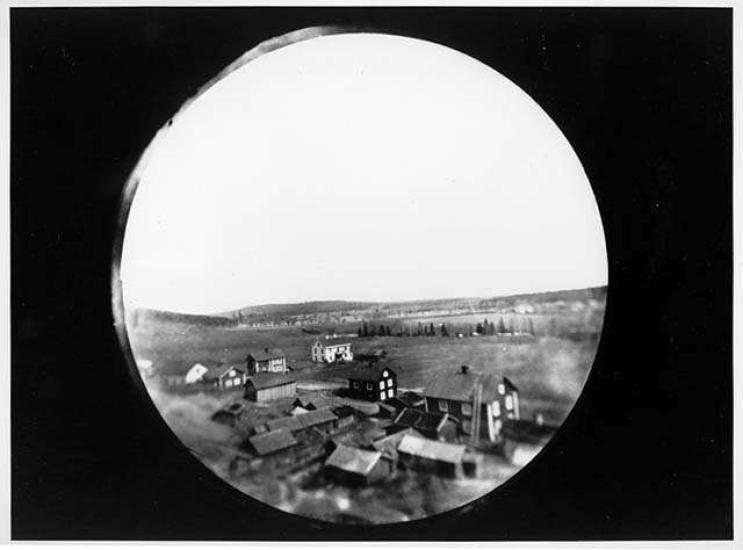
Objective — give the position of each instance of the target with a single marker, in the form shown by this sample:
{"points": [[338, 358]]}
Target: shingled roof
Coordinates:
{"points": [[267, 354], [350, 459], [432, 450], [268, 380], [272, 442], [313, 418], [288, 422], [459, 385], [217, 372], [373, 373]]}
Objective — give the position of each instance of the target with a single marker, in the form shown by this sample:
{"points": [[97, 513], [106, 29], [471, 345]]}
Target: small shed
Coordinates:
{"points": [[425, 455], [352, 466], [266, 387], [272, 443]]}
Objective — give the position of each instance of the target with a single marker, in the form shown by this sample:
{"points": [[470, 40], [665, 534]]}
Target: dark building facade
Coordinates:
{"points": [[374, 383]]}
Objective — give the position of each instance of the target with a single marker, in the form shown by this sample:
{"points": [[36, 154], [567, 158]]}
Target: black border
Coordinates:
{"points": [[644, 97]]}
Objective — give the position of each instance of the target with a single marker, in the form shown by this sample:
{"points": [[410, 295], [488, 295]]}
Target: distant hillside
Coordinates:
{"points": [[343, 311], [302, 308]]}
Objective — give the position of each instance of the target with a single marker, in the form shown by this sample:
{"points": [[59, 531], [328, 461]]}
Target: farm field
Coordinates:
{"points": [[549, 371]]}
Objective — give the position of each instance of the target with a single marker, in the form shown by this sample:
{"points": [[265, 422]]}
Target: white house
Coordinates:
{"points": [[196, 373], [330, 353]]}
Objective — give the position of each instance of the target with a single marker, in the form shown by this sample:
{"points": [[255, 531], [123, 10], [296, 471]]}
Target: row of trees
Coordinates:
{"points": [[429, 329]]}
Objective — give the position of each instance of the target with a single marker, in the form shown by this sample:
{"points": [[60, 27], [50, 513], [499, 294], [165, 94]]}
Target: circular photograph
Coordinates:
{"points": [[362, 276]]}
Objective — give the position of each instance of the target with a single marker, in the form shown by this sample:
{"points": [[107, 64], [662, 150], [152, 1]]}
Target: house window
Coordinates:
{"points": [[356, 385], [385, 374], [509, 402], [443, 405], [233, 373], [467, 409], [390, 393], [381, 384], [501, 388], [228, 383], [389, 382], [496, 408], [381, 396], [369, 386]]}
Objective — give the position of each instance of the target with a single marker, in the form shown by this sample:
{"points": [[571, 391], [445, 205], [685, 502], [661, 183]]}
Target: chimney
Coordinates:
{"points": [[465, 369]]}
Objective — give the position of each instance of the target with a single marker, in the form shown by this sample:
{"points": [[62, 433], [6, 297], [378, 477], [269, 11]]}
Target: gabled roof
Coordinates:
{"points": [[422, 420], [509, 385], [313, 418], [459, 386], [407, 399], [272, 442], [350, 459], [373, 373], [267, 354], [180, 368], [331, 344], [269, 380], [433, 450], [220, 371], [288, 422], [390, 443]]}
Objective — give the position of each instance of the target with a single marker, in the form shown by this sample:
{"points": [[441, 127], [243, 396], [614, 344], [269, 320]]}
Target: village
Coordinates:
{"points": [[359, 428]]}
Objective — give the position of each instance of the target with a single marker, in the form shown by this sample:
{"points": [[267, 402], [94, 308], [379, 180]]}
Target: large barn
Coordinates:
{"points": [[460, 393], [266, 387]]}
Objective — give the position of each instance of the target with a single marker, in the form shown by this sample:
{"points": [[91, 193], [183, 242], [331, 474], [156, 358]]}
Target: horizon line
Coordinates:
{"points": [[486, 297]]}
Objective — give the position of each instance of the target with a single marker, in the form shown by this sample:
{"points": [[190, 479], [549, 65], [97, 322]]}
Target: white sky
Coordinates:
{"points": [[359, 167]]}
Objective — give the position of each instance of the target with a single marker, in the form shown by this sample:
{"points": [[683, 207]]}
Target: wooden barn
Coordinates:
{"points": [[426, 455], [461, 392], [375, 383], [272, 443], [321, 419], [352, 466], [225, 377], [267, 387], [269, 360]]}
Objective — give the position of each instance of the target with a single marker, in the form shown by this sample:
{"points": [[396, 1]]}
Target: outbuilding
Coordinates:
{"points": [[225, 377], [271, 443], [426, 455], [352, 466], [267, 387]]}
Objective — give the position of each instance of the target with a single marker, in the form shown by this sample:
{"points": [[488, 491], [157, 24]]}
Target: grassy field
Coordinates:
{"points": [[549, 371]]}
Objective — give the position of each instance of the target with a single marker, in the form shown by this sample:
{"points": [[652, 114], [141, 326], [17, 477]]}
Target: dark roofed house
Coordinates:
{"points": [[266, 387], [225, 376], [425, 455], [270, 360], [272, 442], [439, 426], [460, 392], [374, 383], [352, 466]]}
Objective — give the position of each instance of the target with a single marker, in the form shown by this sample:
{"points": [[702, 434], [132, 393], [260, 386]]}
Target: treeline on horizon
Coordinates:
{"points": [[485, 328]]}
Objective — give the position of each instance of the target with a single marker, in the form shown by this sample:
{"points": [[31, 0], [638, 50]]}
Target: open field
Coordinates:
{"points": [[549, 371]]}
